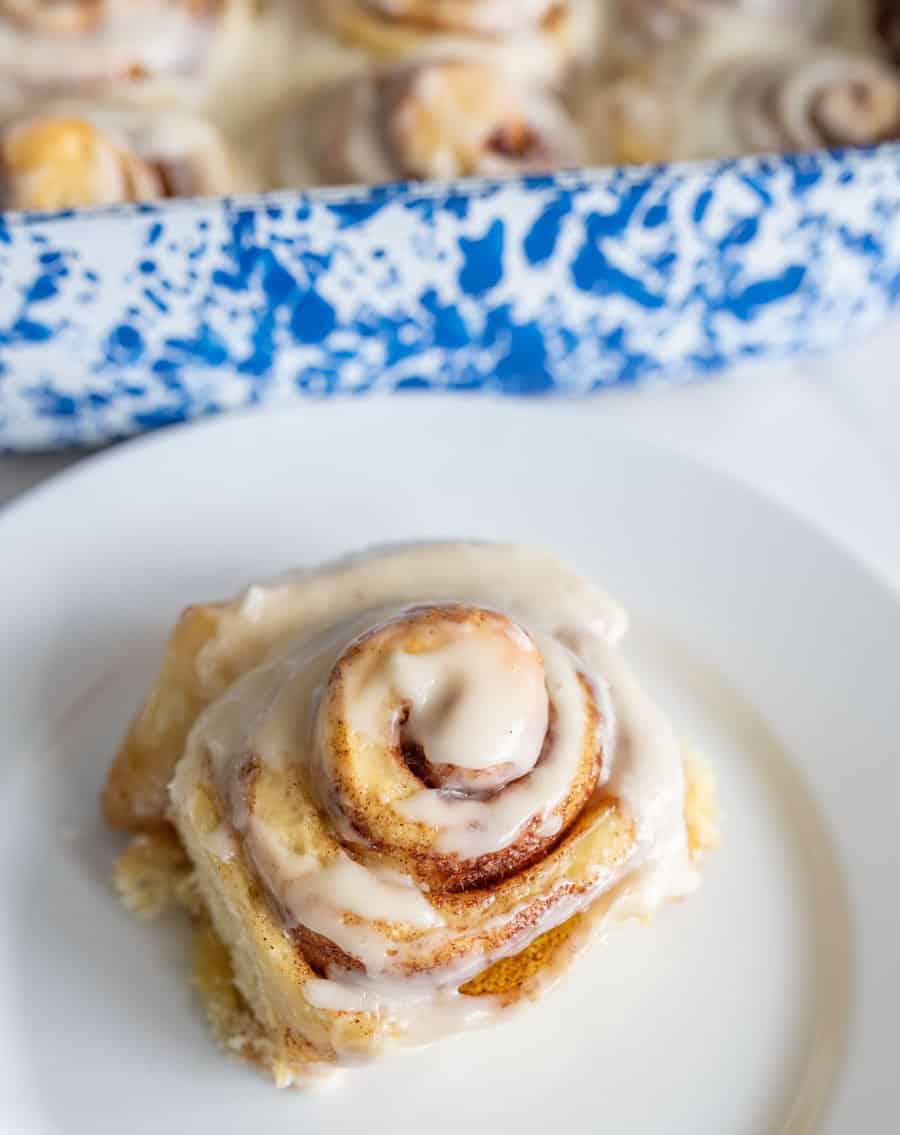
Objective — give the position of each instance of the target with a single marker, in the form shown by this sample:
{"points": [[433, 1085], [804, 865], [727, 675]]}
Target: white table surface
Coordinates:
{"points": [[822, 436]]}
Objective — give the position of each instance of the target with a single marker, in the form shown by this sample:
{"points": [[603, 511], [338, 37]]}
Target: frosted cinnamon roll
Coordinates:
{"points": [[721, 103], [403, 813], [538, 38], [434, 120], [53, 17], [57, 46], [85, 154]]}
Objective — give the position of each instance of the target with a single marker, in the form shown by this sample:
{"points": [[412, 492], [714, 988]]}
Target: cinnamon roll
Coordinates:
{"points": [[53, 17], [538, 38], [58, 46], [408, 786], [717, 101], [436, 120], [78, 154]]}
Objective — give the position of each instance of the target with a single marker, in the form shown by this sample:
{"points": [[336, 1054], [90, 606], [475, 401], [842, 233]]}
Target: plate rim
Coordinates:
{"points": [[94, 461]]}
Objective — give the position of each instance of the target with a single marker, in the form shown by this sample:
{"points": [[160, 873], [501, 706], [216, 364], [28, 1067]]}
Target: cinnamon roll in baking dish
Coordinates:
{"points": [[884, 19], [74, 154], [407, 787], [538, 38], [441, 119], [649, 21], [719, 100], [61, 45]]}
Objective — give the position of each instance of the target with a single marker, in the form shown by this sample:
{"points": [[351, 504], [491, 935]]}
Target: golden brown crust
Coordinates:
{"points": [[283, 1055], [59, 159], [50, 17], [135, 797]]}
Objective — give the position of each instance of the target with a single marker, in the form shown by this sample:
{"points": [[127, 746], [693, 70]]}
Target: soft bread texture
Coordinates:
{"points": [[136, 796], [154, 874], [90, 152]]}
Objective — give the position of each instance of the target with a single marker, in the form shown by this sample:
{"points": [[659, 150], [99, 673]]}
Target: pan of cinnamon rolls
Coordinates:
{"points": [[275, 94]]}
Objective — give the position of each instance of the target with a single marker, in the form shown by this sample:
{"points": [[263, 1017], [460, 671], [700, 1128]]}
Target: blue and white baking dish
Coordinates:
{"points": [[118, 320]]}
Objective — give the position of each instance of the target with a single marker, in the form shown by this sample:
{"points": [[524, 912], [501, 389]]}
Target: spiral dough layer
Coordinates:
{"points": [[422, 788]]}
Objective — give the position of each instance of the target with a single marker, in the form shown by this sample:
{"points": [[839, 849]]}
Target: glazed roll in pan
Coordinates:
{"points": [[725, 99], [436, 119], [79, 154]]}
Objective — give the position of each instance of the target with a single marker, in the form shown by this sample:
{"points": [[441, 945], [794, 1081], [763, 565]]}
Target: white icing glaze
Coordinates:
{"points": [[318, 895], [474, 705], [419, 1014], [302, 606], [477, 827], [647, 776], [728, 86], [221, 844]]}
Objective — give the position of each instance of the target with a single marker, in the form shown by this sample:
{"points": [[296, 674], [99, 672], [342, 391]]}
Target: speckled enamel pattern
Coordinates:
{"points": [[116, 321]]}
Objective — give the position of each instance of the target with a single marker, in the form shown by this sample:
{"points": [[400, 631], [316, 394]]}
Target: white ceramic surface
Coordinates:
{"points": [[767, 1003]]}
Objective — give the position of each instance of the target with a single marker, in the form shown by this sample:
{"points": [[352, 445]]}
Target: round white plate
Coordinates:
{"points": [[767, 1003]]}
